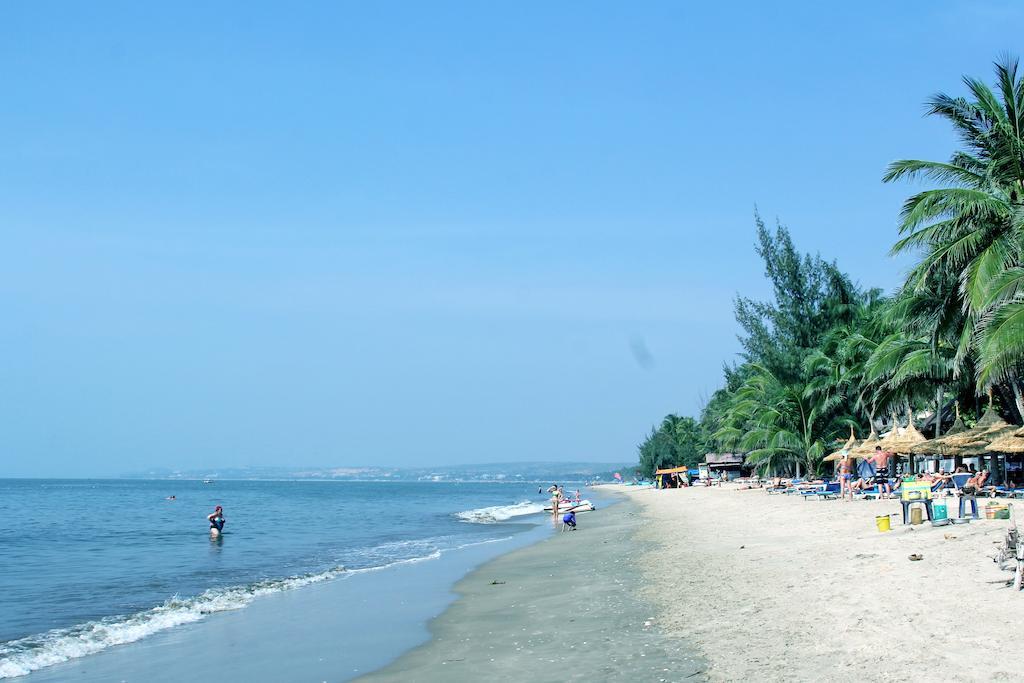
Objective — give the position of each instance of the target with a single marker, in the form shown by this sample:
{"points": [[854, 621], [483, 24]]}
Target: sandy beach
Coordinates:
{"points": [[777, 588], [689, 584], [726, 584]]}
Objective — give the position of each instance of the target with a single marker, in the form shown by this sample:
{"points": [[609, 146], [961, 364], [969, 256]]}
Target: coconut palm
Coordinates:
{"points": [[836, 367], [972, 227], [782, 426]]}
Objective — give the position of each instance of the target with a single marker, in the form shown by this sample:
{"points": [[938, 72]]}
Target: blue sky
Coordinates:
{"points": [[426, 233]]}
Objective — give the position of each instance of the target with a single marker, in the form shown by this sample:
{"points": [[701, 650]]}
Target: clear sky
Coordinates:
{"points": [[427, 232]]}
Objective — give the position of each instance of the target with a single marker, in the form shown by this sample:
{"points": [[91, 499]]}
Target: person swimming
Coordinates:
{"points": [[216, 521]]}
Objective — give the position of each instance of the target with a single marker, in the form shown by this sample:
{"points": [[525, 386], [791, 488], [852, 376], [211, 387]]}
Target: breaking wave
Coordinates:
{"points": [[22, 656], [500, 513], [25, 655]]}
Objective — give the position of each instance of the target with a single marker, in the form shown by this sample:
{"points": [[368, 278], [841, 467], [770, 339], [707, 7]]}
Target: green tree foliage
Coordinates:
{"points": [[782, 425], [811, 296], [971, 227], [823, 355], [677, 441]]}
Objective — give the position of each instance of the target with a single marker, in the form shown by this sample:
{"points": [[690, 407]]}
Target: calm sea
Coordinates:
{"points": [[88, 564]]}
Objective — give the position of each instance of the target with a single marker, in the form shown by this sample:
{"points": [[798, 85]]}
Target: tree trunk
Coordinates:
{"points": [[938, 411], [1008, 399], [797, 469], [1017, 398]]}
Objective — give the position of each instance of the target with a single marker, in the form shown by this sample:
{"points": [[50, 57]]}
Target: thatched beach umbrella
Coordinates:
{"points": [[838, 455], [905, 442], [975, 442], [947, 444], [1006, 440], [990, 426], [979, 447], [1012, 443], [958, 424], [866, 447]]}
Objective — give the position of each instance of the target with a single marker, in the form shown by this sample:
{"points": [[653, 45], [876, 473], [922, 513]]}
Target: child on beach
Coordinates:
{"points": [[570, 520]]}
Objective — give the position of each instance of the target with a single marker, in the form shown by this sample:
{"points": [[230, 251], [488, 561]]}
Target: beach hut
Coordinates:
{"points": [[664, 480], [730, 465]]}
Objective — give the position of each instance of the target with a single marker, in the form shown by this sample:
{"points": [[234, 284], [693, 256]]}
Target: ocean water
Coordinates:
{"points": [[86, 565]]}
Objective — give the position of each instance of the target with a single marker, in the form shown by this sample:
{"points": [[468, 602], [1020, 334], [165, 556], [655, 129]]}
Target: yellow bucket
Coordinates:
{"points": [[883, 523]]}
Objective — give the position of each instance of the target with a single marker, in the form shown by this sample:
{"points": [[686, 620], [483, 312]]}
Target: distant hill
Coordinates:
{"points": [[516, 471]]}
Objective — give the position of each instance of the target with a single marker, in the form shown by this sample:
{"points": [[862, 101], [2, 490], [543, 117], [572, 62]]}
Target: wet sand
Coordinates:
{"points": [[569, 608]]}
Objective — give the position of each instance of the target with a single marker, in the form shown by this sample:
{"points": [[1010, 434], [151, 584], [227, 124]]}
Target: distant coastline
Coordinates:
{"points": [[528, 472]]}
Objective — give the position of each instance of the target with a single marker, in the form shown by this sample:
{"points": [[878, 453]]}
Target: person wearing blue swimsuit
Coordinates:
{"points": [[216, 521]]}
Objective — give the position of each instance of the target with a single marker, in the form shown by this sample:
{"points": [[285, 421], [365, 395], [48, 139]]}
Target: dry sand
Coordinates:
{"points": [[771, 587]]}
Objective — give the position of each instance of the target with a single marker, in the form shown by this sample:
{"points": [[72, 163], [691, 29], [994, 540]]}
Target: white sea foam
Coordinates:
{"points": [[23, 656], [435, 554], [500, 513], [20, 657]]}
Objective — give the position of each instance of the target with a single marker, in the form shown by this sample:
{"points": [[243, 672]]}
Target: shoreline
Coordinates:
{"points": [[298, 634], [568, 607]]}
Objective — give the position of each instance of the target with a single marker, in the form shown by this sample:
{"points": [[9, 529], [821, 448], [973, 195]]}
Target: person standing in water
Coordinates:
{"points": [[556, 495], [216, 521]]}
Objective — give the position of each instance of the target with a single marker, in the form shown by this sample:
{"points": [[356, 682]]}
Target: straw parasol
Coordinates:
{"points": [[905, 442], [953, 442], [838, 455], [937, 446], [1012, 443], [979, 446], [958, 423], [867, 446], [989, 425]]}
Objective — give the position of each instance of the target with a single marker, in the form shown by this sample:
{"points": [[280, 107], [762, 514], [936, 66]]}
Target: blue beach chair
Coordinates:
{"points": [[829, 490]]}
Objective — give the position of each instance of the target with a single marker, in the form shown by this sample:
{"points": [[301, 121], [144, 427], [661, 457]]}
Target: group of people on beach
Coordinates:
{"points": [[942, 479], [557, 494], [880, 459]]}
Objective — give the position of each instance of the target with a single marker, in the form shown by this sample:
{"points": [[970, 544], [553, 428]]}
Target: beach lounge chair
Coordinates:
{"points": [[868, 494], [829, 490], [959, 480], [1007, 491]]}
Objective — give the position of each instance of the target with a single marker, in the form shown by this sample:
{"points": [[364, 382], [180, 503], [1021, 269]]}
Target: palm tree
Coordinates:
{"points": [[972, 227], [782, 425]]}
